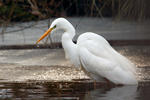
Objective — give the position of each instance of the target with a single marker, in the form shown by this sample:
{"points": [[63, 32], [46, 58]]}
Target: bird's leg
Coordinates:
{"points": [[95, 84], [108, 82], [87, 73]]}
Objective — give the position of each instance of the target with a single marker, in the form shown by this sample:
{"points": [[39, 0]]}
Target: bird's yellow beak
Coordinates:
{"points": [[44, 35]]}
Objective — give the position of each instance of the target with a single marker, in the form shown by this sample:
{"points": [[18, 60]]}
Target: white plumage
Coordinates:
{"points": [[95, 55]]}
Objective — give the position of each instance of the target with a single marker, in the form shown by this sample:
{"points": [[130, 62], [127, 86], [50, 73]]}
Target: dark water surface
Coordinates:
{"points": [[73, 91], [76, 90]]}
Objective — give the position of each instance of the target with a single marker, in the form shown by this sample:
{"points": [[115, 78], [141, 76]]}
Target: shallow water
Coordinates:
{"points": [[35, 82], [76, 90], [73, 91]]}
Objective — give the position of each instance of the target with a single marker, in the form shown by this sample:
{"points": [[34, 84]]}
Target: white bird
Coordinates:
{"points": [[94, 54]]}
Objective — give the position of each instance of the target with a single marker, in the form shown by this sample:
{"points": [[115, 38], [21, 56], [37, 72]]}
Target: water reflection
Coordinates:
{"points": [[46, 90], [117, 93], [76, 90], [73, 91]]}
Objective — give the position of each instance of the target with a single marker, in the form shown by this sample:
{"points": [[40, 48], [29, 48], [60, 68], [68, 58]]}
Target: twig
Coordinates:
{"points": [[35, 9], [21, 28], [8, 20], [3, 31]]}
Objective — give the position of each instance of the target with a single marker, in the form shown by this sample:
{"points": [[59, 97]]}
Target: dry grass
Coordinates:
{"points": [[133, 9], [36, 9]]}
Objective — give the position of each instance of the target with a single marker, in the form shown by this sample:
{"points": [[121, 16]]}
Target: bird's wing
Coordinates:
{"points": [[102, 67], [95, 65], [99, 47], [94, 43], [97, 56]]}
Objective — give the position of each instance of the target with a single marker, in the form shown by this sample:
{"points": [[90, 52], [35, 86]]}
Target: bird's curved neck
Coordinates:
{"points": [[70, 31], [70, 48], [67, 39]]}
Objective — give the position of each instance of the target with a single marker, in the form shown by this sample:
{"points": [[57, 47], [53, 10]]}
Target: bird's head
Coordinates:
{"points": [[58, 24]]}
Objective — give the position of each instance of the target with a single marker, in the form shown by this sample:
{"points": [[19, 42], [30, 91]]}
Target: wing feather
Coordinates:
{"points": [[98, 46], [99, 58], [101, 67]]}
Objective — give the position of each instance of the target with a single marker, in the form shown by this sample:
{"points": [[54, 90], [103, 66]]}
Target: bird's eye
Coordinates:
{"points": [[54, 26]]}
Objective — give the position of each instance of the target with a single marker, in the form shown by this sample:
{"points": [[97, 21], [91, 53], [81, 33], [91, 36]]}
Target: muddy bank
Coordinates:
{"points": [[51, 65]]}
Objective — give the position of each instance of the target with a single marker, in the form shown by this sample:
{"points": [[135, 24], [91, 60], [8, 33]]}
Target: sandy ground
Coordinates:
{"points": [[51, 65]]}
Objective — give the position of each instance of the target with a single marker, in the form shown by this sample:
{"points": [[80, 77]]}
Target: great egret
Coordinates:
{"points": [[94, 54]]}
